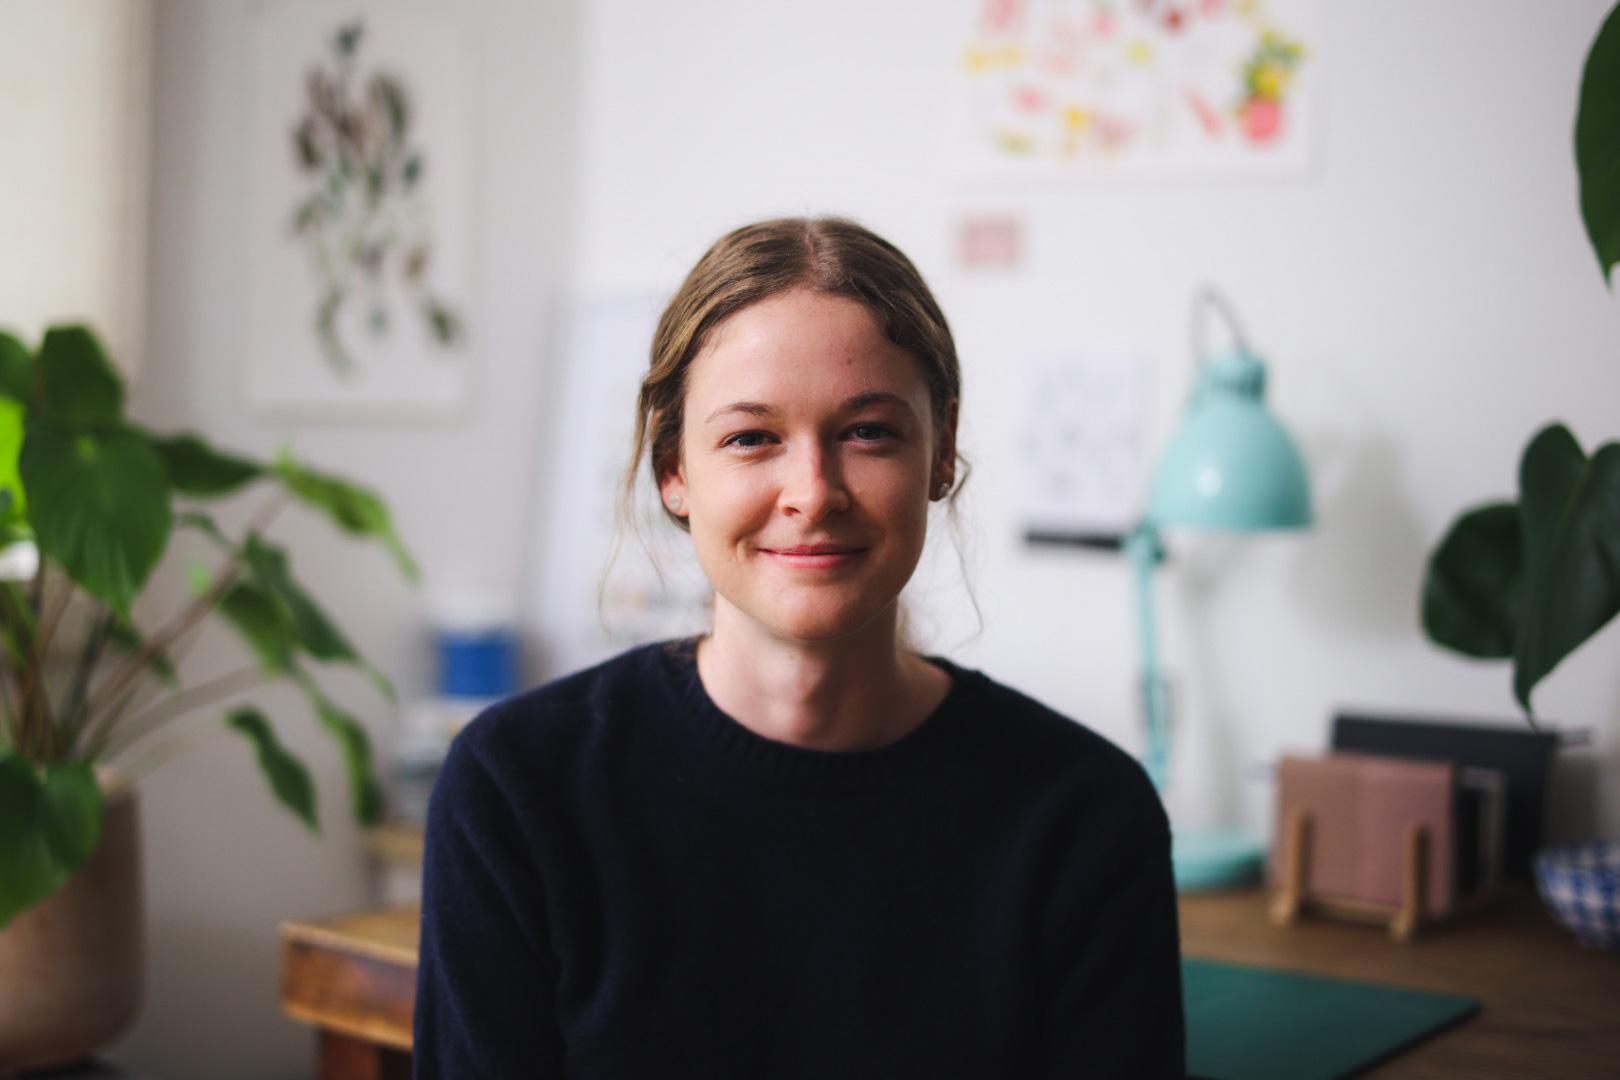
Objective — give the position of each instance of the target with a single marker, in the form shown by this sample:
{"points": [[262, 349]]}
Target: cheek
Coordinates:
{"points": [[727, 500], [897, 490]]}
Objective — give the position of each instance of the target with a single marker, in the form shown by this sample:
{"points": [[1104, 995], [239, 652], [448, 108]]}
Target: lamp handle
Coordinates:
{"points": [[1207, 297]]}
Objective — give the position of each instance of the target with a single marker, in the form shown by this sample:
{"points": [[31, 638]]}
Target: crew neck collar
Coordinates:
{"points": [[799, 766]]}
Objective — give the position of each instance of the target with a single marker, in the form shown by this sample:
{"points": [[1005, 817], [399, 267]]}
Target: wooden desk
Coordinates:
{"points": [[1549, 1007], [354, 978]]}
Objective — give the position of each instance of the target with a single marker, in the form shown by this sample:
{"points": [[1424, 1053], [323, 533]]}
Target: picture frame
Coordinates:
{"points": [[361, 141]]}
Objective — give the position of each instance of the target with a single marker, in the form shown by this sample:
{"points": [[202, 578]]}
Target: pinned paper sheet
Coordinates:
{"points": [[1082, 444], [989, 242], [1146, 89]]}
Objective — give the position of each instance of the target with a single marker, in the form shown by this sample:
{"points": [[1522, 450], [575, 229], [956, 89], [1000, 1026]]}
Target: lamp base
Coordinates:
{"points": [[1215, 859]]}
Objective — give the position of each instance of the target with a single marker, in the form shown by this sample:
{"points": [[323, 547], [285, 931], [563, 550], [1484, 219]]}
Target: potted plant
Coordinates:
{"points": [[1532, 580], [88, 502]]}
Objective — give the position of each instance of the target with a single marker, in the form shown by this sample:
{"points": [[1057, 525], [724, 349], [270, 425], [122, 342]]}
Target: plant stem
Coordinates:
{"points": [[74, 715], [163, 751], [9, 658], [132, 697], [36, 588], [114, 685], [53, 616], [20, 629], [19, 645], [143, 724], [106, 696], [9, 713], [94, 745], [35, 696]]}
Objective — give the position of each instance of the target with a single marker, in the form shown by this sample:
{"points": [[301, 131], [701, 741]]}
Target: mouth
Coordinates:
{"points": [[814, 556]]}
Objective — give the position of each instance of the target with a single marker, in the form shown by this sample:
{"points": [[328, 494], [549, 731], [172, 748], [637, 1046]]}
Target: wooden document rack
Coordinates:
{"points": [[1398, 842]]}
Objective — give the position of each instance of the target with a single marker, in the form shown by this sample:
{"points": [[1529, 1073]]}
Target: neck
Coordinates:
{"points": [[855, 693]]}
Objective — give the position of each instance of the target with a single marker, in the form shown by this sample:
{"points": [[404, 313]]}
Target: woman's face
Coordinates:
{"points": [[808, 456]]}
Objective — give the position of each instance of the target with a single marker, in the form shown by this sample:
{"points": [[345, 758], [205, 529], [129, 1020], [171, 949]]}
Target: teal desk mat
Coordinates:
{"points": [[1248, 1023]]}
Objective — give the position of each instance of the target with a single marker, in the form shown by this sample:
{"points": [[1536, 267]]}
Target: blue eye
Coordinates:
{"points": [[872, 432], [747, 440]]}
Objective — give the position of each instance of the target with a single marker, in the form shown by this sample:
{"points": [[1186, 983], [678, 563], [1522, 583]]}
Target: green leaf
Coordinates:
{"points": [[353, 509], [289, 780], [365, 792], [315, 631], [348, 38], [13, 532], [81, 387], [198, 470], [316, 634], [264, 624], [396, 107], [1473, 588], [16, 370], [196, 519], [1597, 144], [199, 577], [99, 504], [47, 829], [12, 428], [123, 636], [1569, 513], [446, 328], [1550, 474]]}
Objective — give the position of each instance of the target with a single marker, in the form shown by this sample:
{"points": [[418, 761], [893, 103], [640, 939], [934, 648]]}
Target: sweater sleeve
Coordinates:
{"points": [[1115, 1007], [486, 973]]}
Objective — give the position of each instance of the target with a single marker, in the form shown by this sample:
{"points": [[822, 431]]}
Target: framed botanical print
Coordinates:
{"points": [[360, 144]]}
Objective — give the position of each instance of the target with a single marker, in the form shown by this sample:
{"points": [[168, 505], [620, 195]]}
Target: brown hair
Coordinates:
{"points": [[827, 254]]}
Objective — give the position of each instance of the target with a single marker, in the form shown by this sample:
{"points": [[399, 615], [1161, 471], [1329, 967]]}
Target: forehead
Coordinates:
{"points": [[802, 345]]}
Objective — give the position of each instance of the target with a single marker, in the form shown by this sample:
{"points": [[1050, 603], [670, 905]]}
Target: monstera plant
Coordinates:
{"points": [[1532, 580], [88, 500]]}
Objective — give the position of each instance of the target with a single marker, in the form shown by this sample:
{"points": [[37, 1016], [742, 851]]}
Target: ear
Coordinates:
{"points": [[943, 473], [672, 489]]}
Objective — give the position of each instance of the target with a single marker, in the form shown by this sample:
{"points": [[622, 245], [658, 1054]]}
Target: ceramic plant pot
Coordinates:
{"points": [[70, 967]]}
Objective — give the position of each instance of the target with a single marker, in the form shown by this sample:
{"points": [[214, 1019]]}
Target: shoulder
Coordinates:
{"points": [[535, 736], [1045, 750], [563, 707]]}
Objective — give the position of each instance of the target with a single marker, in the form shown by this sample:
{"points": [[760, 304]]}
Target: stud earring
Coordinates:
{"points": [[676, 503]]}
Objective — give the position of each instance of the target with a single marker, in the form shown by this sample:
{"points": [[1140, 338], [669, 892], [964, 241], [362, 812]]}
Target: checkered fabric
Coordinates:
{"points": [[1581, 884]]}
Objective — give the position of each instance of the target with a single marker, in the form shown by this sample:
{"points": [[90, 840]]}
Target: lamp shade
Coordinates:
{"points": [[1231, 466]]}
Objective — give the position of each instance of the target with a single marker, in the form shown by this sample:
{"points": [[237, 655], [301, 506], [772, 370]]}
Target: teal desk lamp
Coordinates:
{"points": [[1231, 467]]}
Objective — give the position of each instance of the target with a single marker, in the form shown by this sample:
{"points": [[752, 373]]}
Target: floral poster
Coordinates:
{"points": [[1140, 88], [360, 211]]}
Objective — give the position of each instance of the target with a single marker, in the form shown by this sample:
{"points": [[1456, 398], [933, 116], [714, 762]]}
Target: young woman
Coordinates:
{"points": [[794, 847]]}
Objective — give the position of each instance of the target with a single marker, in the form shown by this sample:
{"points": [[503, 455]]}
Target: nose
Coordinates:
{"points": [[813, 484]]}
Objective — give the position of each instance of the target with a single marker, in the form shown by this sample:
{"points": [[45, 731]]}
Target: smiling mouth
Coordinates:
{"points": [[814, 557]]}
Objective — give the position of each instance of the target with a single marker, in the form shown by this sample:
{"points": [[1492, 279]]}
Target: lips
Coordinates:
{"points": [[814, 556], [813, 549]]}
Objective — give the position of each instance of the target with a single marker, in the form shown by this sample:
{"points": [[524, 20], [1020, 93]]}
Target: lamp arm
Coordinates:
{"points": [[1207, 297], [1146, 551]]}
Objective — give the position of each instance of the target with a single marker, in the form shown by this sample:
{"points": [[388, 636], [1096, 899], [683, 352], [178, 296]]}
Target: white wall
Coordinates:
{"points": [[75, 95], [225, 863], [1426, 301]]}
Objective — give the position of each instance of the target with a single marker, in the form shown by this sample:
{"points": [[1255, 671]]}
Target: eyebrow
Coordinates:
{"points": [[854, 404]]}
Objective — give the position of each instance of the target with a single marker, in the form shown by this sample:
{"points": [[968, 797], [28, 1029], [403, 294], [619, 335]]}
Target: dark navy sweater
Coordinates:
{"points": [[621, 881]]}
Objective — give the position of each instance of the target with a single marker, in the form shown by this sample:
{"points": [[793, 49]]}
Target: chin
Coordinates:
{"points": [[820, 623]]}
